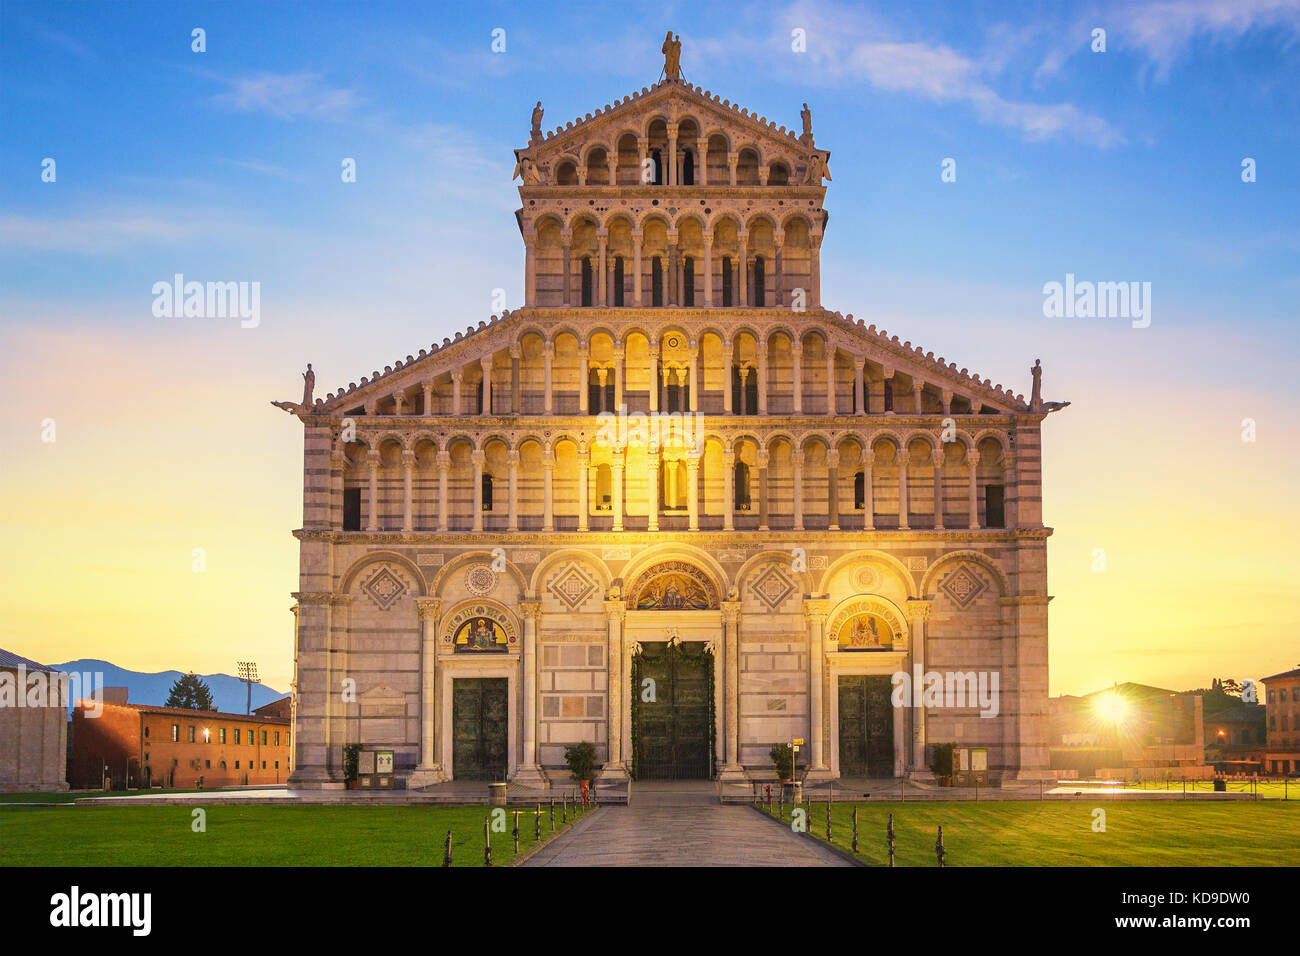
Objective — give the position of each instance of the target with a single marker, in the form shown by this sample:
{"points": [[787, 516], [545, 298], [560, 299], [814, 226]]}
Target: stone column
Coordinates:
{"points": [[729, 490], [429, 769], [584, 372], [902, 458], [693, 489], [972, 465], [428, 398], [728, 371], [888, 388], [796, 462], [815, 615], [513, 521], [833, 490], [566, 240], [602, 284], [616, 479], [636, 266], [642, 150], [338, 465], [731, 658], [548, 496], [918, 612], [742, 265], [860, 385], [652, 488], [796, 357], [694, 379], [670, 174], [815, 266], [946, 396], [762, 378], [530, 269], [444, 466], [615, 768], [478, 458], [398, 401], [708, 270], [830, 381], [762, 489], [916, 396], [654, 379], [670, 280], [778, 265], [548, 402], [408, 466], [372, 464], [618, 378], [516, 406], [584, 479], [457, 377], [937, 459], [487, 386], [732, 158]]}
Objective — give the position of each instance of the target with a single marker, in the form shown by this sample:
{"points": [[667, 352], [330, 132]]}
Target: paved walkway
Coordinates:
{"points": [[681, 826]]}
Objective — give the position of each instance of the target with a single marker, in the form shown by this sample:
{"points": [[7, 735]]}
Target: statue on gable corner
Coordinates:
{"points": [[536, 136], [806, 115], [1036, 396], [308, 387]]}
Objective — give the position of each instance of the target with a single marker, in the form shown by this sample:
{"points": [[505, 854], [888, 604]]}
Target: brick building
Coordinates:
{"points": [[33, 725], [135, 745], [1282, 707]]}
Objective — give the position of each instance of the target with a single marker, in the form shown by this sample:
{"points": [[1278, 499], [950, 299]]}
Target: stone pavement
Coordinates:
{"points": [[676, 824]]}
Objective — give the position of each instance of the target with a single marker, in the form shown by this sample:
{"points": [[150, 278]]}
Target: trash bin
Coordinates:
{"points": [[792, 792], [498, 793], [1220, 785]]}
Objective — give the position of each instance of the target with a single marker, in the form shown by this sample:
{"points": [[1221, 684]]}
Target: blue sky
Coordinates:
{"points": [[224, 165]]}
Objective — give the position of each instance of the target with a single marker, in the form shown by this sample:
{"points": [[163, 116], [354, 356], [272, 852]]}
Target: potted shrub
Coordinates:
{"points": [[350, 759], [783, 757], [941, 763], [581, 759]]}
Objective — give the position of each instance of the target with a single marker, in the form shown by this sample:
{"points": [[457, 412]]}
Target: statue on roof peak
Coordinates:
{"points": [[672, 51], [536, 136]]}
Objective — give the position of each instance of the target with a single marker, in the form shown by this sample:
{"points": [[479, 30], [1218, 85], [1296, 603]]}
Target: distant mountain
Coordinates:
{"points": [[228, 693]]}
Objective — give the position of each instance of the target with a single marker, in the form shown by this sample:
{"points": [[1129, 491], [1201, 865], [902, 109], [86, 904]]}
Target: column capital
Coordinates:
{"points": [[444, 460], [918, 610], [972, 458], [530, 610], [408, 459], [512, 456], [938, 459], [833, 458], [429, 607], [816, 609], [615, 609], [478, 457], [730, 611]]}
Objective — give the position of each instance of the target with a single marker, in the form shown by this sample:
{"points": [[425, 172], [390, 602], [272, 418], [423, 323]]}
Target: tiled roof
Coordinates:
{"points": [[203, 714], [1291, 673], [10, 659]]}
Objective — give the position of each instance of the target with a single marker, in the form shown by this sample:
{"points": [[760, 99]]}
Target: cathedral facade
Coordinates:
{"points": [[672, 506]]}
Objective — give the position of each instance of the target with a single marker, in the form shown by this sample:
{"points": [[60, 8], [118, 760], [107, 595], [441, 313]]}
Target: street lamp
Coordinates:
{"points": [[248, 674]]}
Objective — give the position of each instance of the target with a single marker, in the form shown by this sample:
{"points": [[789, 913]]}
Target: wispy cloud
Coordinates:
{"points": [[1167, 28], [94, 236], [287, 96]]}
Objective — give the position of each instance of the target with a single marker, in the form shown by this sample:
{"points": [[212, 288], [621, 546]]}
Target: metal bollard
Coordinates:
{"points": [[855, 829], [552, 813], [828, 818], [564, 808], [889, 833], [939, 851], [487, 841], [537, 824], [515, 832], [446, 856]]}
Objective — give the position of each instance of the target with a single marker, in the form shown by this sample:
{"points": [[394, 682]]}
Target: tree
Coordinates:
{"points": [[190, 693]]}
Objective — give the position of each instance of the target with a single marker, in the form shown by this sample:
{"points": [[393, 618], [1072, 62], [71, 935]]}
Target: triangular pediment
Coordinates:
{"points": [[676, 101]]}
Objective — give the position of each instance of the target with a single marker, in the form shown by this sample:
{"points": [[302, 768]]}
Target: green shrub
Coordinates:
{"points": [[783, 756], [350, 752], [581, 759], [941, 759]]}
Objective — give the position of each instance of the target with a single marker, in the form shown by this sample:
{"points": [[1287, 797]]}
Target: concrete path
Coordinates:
{"points": [[682, 826]]}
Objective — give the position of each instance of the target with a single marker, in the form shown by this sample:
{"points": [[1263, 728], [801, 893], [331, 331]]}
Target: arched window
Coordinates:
{"points": [[727, 282], [742, 486], [688, 279], [751, 392], [688, 168], [860, 490], [659, 166], [595, 397], [672, 485], [995, 506], [586, 280], [656, 281], [889, 394], [487, 492], [760, 273], [618, 280], [478, 396]]}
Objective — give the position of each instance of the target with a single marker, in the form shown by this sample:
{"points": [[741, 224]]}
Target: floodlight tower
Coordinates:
{"points": [[248, 674]]}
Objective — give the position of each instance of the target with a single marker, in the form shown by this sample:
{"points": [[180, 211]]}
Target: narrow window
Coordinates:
{"points": [[656, 281], [742, 486], [657, 156], [860, 490], [478, 398], [264, 743], [889, 394], [726, 282], [618, 281], [586, 280], [595, 398], [351, 515], [190, 733], [221, 735], [487, 506], [688, 279], [236, 735], [995, 506], [759, 282], [176, 733], [688, 169], [737, 392], [751, 392]]}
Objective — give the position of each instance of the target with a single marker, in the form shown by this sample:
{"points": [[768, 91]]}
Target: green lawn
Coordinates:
{"points": [[68, 796], [260, 836], [1061, 834]]}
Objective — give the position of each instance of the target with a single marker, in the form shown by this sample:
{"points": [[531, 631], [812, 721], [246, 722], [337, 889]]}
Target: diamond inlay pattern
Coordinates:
{"points": [[963, 586], [772, 587], [384, 588], [571, 587]]}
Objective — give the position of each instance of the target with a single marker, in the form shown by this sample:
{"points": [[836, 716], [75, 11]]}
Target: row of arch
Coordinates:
{"points": [[751, 223]]}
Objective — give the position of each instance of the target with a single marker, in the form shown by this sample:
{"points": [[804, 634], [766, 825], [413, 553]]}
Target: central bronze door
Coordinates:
{"points": [[480, 714], [866, 726], [672, 739]]}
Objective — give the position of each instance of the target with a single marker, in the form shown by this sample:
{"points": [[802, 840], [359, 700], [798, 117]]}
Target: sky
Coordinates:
{"points": [[1169, 480]]}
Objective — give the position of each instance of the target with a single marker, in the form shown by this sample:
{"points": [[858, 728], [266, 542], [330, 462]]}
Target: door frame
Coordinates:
{"points": [[859, 664], [451, 669]]}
